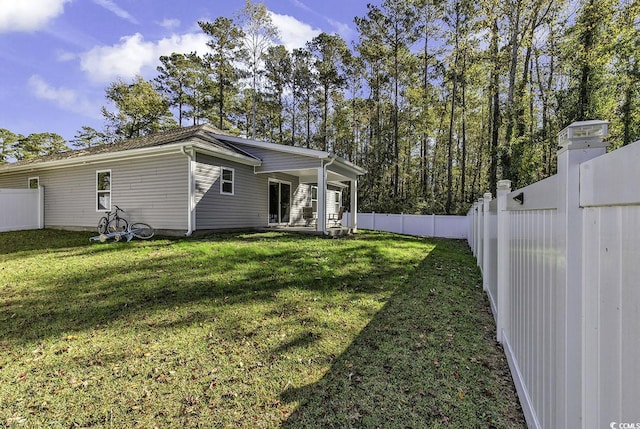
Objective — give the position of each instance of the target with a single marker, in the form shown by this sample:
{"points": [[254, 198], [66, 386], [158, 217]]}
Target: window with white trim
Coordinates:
{"points": [[33, 182], [227, 176], [314, 198], [103, 190], [338, 200]]}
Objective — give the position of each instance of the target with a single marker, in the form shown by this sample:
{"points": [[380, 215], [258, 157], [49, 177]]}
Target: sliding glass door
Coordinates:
{"points": [[279, 202]]}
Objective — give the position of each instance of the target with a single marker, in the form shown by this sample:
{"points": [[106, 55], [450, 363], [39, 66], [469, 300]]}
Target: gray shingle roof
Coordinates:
{"points": [[177, 135]]}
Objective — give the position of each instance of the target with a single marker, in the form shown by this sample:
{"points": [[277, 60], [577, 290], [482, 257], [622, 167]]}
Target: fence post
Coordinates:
{"points": [[486, 236], [40, 207], [579, 142], [480, 233], [373, 220], [474, 220], [402, 223], [503, 274], [433, 225]]}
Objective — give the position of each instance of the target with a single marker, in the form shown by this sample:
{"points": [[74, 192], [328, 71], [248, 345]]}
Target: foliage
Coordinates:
{"points": [[259, 33], [247, 330], [18, 147], [141, 110], [7, 142], [437, 99], [38, 144], [88, 137], [226, 46]]}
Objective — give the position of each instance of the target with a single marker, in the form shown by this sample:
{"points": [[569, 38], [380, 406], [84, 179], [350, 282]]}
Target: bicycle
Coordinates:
{"points": [[112, 222], [139, 230]]}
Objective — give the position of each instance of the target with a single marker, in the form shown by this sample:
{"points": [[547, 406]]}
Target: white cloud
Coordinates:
{"points": [[66, 98], [293, 33], [344, 30], [31, 15], [303, 6], [169, 24], [64, 56], [116, 10], [136, 56]]}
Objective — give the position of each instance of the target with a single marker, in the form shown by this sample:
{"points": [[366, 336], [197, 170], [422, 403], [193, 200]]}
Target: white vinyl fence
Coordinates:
{"points": [[21, 209], [418, 225], [561, 266]]}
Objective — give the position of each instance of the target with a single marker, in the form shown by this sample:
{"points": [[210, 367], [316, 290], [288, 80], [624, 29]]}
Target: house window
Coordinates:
{"points": [[338, 200], [33, 183], [103, 190], [314, 198], [226, 181]]}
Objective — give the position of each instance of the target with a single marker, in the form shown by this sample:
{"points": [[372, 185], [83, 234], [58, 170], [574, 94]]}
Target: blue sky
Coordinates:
{"points": [[57, 56]]}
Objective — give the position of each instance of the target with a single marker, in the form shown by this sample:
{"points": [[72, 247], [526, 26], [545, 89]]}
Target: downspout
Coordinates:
{"points": [[190, 192], [324, 173]]}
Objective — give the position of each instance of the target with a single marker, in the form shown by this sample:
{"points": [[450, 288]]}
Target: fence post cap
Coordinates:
{"points": [[504, 185], [480, 200], [487, 195], [584, 134]]}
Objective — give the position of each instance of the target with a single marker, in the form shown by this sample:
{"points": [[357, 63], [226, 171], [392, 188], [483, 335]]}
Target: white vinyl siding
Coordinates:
{"points": [[250, 205], [280, 161], [153, 190]]}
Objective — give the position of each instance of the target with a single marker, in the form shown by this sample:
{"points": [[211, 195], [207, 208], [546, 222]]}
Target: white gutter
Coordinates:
{"points": [[190, 193]]}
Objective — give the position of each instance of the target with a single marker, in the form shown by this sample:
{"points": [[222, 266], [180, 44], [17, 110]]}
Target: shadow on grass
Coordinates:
{"points": [[175, 273], [43, 239], [427, 359]]}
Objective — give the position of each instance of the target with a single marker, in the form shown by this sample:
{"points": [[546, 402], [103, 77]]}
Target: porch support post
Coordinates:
{"points": [[353, 223], [321, 224]]}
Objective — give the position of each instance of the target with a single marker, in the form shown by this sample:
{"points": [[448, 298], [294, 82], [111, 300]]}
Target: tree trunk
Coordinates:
{"points": [[494, 111], [454, 93], [463, 161]]}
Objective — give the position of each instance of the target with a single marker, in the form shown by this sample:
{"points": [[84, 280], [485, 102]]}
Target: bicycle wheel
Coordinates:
{"points": [[118, 225], [102, 225], [141, 230]]}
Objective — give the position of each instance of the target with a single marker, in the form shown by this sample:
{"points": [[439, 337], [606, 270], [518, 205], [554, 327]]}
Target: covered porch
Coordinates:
{"points": [[323, 216]]}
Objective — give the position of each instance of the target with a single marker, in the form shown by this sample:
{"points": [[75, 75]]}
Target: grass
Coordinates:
{"points": [[257, 330]]}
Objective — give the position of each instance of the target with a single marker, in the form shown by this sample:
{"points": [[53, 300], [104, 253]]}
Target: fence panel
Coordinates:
{"points": [[417, 225], [531, 327], [21, 209], [566, 284], [611, 251]]}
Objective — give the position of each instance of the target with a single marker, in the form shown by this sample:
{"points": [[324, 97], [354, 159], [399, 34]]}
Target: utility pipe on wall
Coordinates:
{"points": [[190, 193]]}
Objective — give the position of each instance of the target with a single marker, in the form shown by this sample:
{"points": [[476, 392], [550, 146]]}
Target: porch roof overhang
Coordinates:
{"points": [[338, 169], [310, 175]]}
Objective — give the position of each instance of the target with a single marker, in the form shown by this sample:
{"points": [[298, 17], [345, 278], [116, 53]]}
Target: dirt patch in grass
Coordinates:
{"points": [[247, 330]]}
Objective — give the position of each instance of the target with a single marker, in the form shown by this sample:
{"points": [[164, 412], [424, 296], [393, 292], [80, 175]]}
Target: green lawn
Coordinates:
{"points": [[255, 330]]}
